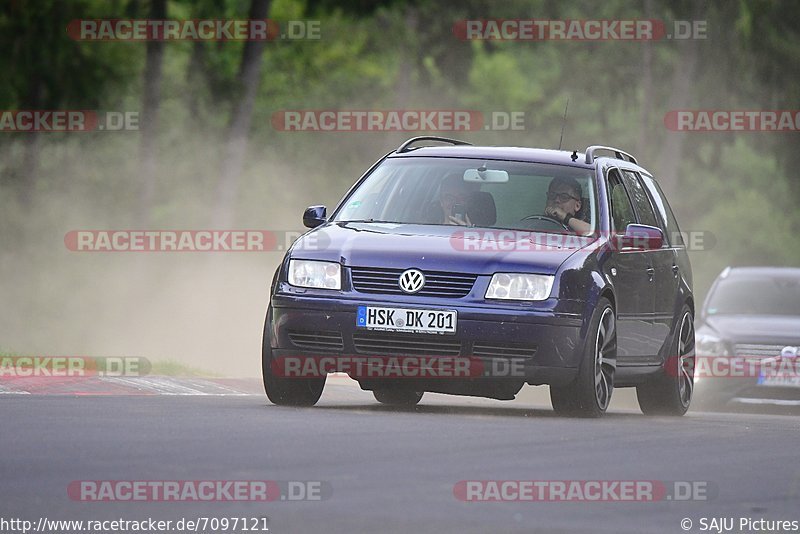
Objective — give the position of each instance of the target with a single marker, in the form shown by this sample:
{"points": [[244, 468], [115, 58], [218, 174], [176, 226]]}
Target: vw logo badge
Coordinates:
{"points": [[412, 280], [789, 352]]}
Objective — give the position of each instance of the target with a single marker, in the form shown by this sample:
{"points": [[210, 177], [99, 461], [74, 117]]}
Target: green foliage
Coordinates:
{"points": [[389, 54]]}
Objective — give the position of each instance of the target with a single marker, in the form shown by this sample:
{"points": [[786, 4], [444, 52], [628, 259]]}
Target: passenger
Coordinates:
{"points": [[454, 191]]}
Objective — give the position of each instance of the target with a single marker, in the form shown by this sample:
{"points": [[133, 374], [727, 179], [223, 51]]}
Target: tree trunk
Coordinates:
{"points": [[681, 97], [148, 124], [195, 79], [30, 168], [236, 144]]}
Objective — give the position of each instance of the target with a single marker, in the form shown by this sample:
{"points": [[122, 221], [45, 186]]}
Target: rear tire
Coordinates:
{"points": [[590, 393], [671, 393], [397, 397], [286, 391]]}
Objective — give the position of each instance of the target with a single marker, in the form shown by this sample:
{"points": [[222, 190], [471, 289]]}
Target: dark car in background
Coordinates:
{"points": [[748, 334], [511, 291]]}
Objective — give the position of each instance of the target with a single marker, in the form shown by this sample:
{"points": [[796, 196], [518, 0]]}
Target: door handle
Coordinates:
{"points": [[650, 273], [675, 270]]}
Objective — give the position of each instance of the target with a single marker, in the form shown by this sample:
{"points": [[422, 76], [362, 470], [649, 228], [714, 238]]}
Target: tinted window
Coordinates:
{"points": [[672, 231], [639, 196], [621, 209], [424, 190]]}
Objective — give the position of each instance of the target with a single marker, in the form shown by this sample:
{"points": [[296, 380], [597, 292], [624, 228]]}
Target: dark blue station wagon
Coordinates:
{"points": [[472, 270]]}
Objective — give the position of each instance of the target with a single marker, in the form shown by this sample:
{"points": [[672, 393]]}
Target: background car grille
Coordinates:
{"points": [[386, 343], [317, 340], [437, 283], [757, 351]]}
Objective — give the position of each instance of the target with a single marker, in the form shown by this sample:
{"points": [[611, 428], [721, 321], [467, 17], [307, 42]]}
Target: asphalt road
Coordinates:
{"points": [[389, 470]]}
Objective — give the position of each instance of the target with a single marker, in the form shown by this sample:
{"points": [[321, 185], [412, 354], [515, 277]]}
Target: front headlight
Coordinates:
{"points": [[511, 286], [315, 274], [708, 346]]}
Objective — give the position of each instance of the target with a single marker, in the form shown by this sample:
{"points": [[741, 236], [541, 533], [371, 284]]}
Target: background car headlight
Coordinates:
{"points": [[708, 346], [315, 274], [512, 286]]}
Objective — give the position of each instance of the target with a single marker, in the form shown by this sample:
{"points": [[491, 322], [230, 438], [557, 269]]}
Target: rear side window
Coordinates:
{"points": [[622, 213], [639, 196], [673, 232]]}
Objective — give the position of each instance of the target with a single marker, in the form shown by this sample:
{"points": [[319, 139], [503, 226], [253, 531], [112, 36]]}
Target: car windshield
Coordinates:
{"points": [[481, 193], [751, 295]]}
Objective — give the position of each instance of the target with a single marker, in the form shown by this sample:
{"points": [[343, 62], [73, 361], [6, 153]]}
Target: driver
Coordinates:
{"points": [[564, 202]]}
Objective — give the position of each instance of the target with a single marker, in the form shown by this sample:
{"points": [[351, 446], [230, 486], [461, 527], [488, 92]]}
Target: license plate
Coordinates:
{"points": [[778, 380], [407, 320]]}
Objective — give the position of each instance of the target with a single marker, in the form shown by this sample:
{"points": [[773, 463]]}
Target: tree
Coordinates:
{"points": [[44, 69], [239, 129], [148, 124]]}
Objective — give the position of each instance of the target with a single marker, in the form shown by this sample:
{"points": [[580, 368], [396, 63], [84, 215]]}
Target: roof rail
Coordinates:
{"points": [[617, 152], [406, 147]]}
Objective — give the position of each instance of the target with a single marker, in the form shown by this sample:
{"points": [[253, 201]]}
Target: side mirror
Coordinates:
{"points": [[314, 216], [642, 237]]}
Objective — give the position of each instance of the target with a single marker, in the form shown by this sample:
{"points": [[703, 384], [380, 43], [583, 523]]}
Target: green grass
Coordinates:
{"points": [[174, 368]]}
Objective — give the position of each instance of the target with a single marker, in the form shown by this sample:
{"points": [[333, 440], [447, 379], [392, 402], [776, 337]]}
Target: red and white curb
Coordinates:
{"points": [[138, 386]]}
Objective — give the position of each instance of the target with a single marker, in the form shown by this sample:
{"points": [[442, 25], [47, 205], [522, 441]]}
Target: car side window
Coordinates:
{"points": [[672, 231], [639, 196], [622, 213]]}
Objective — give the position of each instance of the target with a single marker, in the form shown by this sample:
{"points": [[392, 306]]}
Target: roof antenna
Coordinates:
{"points": [[563, 123]]}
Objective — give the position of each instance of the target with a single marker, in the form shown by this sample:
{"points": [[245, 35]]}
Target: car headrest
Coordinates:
{"points": [[432, 213], [481, 208]]}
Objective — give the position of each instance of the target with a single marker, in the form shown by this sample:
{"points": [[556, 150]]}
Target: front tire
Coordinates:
{"points": [[590, 393], [671, 393], [286, 391]]}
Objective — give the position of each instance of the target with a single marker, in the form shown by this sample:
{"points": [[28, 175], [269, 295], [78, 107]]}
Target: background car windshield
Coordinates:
{"points": [[427, 190], [756, 296]]}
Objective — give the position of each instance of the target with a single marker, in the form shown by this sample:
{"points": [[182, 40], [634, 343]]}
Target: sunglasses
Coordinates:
{"points": [[560, 197]]}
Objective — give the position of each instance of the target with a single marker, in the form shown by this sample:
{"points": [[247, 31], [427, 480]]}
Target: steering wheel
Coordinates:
{"points": [[546, 218]]}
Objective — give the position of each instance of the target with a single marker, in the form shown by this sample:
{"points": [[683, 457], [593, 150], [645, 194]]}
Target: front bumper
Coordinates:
{"points": [[545, 345], [739, 385]]}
